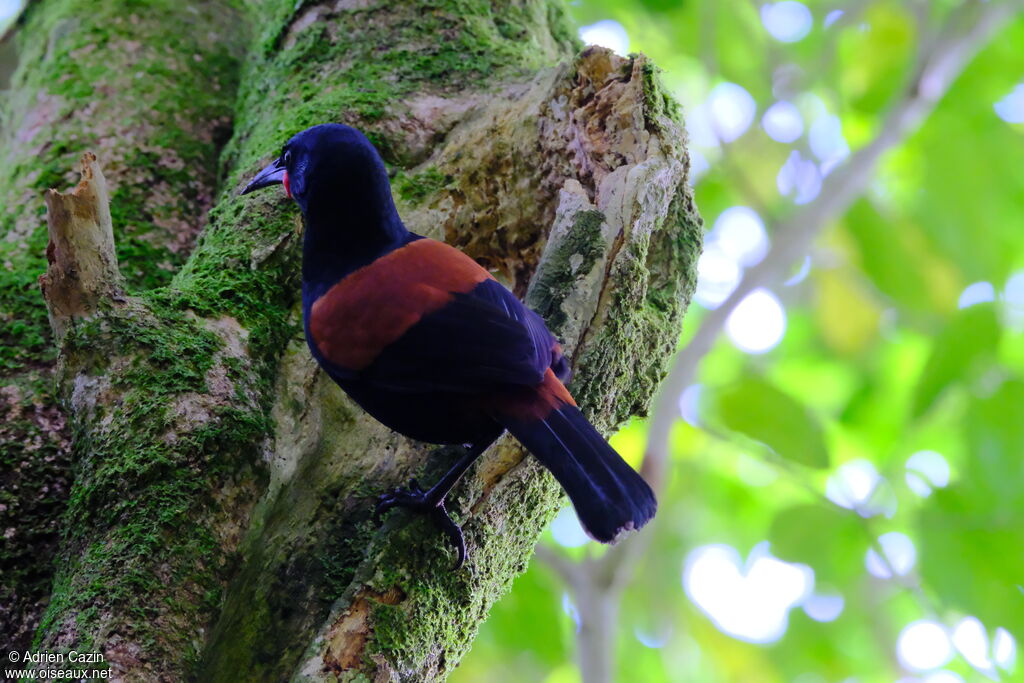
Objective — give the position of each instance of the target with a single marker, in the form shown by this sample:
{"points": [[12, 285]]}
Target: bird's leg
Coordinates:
{"points": [[431, 501]]}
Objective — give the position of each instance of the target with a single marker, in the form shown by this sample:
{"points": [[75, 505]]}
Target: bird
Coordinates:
{"points": [[430, 344]]}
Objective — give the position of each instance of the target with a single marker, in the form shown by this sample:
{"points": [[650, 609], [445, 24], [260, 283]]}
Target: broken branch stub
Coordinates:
{"points": [[81, 264]]}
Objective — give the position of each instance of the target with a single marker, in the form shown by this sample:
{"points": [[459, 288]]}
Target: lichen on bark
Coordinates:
{"points": [[219, 523]]}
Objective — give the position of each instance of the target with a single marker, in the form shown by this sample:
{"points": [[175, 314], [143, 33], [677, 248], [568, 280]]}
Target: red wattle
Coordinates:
{"points": [[287, 185]]}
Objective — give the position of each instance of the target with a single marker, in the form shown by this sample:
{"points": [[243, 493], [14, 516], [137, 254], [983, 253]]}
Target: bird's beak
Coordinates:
{"points": [[273, 174]]}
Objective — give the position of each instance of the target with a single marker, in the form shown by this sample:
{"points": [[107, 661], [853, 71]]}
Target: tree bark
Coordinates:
{"points": [[218, 526]]}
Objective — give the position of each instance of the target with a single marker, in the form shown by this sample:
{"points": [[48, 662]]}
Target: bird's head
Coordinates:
{"points": [[324, 165]]}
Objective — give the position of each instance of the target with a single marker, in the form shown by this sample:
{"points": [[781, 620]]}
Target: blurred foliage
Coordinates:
{"points": [[878, 362]]}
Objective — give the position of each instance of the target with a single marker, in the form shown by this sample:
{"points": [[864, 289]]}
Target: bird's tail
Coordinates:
{"points": [[609, 496]]}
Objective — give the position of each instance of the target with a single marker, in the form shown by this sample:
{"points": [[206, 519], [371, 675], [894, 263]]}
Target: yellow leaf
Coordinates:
{"points": [[847, 315]]}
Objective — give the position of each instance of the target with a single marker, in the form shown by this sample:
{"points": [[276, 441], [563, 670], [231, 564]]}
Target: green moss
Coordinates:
{"points": [[34, 480], [25, 337], [658, 103], [137, 490], [91, 72], [623, 364], [562, 27], [134, 522], [362, 69], [414, 188], [427, 633], [344, 547]]}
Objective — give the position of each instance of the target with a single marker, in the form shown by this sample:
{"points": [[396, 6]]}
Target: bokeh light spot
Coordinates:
{"points": [[926, 469], [8, 8], [699, 165], [1004, 649], [923, 645], [700, 129], [1011, 107], [917, 484], [739, 232], [738, 239], [567, 530], [717, 275], [1013, 301], [750, 602], [758, 323], [569, 607], [653, 640], [900, 556], [787, 21], [801, 274], [799, 177], [852, 484], [833, 16], [689, 404], [971, 641], [824, 608], [731, 109], [827, 141], [976, 293], [782, 122], [607, 33]]}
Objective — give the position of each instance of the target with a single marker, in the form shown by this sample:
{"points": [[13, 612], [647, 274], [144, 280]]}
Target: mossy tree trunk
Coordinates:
{"points": [[217, 524], [107, 77]]}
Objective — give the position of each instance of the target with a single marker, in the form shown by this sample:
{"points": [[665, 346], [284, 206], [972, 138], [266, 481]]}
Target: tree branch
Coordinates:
{"points": [[82, 266], [569, 571], [152, 94]]}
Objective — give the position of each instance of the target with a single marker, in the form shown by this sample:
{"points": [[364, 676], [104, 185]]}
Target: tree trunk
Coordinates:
{"points": [[218, 524], [103, 76]]}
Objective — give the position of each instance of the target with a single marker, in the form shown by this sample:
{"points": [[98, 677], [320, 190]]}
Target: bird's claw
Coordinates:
{"points": [[454, 532], [416, 498], [413, 497]]}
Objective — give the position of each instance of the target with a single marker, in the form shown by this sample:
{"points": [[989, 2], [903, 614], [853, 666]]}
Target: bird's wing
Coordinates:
{"points": [[426, 317]]}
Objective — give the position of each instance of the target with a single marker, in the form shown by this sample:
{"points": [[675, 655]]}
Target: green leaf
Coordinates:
{"points": [[895, 253], [829, 539], [757, 409], [971, 336], [971, 533], [995, 437], [971, 558]]}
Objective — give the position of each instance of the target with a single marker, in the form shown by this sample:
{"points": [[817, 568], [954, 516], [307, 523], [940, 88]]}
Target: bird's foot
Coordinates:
{"points": [[427, 502], [413, 496]]}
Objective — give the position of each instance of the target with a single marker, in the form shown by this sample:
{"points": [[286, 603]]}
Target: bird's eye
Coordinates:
{"points": [[287, 157]]}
